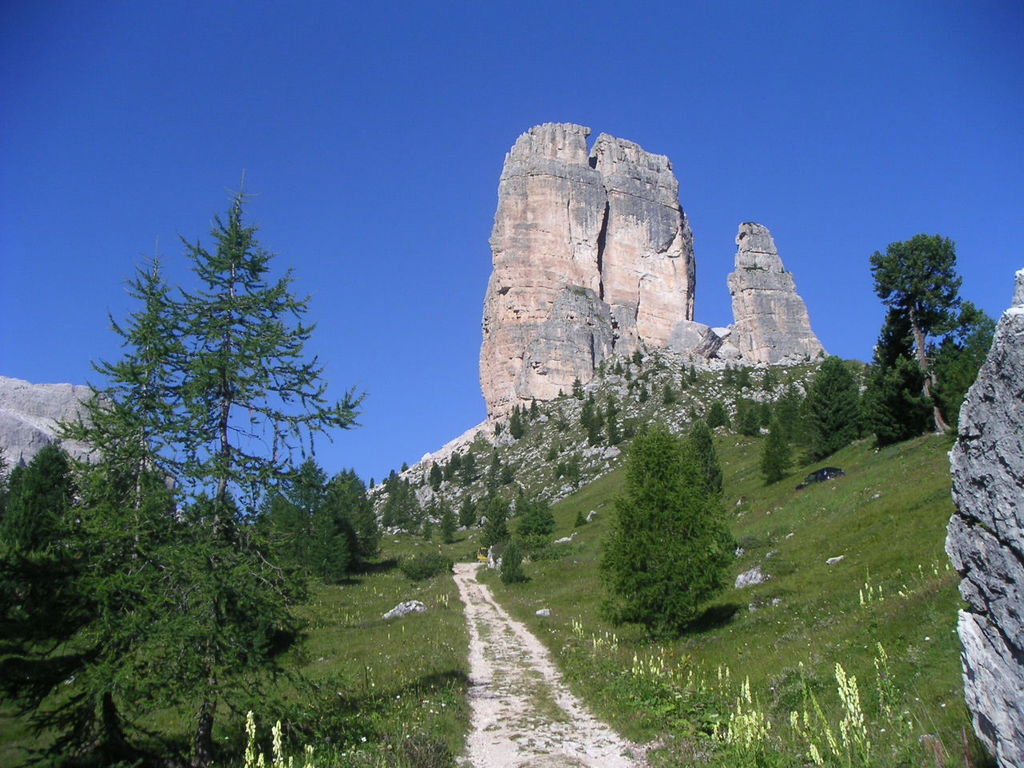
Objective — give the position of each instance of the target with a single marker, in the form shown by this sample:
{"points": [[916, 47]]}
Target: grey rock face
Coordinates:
{"points": [[695, 339], [985, 540], [592, 255], [771, 324], [751, 578], [29, 414]]}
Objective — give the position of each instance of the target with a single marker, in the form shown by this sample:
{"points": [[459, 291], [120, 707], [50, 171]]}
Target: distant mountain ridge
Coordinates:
{"points": [[29, 414]]}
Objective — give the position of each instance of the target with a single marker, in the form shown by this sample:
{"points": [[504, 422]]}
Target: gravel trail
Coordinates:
{"points": [[523, 715]]}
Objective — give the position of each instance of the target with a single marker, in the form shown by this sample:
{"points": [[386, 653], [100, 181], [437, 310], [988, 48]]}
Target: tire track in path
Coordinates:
{"points": [[523, 715]]}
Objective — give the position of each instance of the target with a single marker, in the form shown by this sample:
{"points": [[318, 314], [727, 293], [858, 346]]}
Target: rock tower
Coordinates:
{"points": [[592, 255], [985, 540], [770, 320]]}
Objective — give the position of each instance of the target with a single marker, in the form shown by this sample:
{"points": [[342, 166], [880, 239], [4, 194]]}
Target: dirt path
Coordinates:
{"points": [[523, 716]]}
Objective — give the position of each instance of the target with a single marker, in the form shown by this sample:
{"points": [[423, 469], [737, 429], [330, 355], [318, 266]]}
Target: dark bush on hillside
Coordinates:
{"points": [[424, 565]]}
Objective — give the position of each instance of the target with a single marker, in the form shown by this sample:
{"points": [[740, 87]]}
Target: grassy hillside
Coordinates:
{"points": [[890, 601]]}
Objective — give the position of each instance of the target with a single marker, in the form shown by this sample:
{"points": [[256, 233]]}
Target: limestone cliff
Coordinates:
{"points": [[29, 413], [770, 320], [592, 255], [986, 540]]}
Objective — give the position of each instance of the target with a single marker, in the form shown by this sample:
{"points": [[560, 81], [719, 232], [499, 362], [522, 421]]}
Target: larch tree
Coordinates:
{"points": [[186, 609]]}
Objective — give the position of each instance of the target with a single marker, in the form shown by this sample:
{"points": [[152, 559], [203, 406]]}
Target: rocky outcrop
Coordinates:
{"points": [[29, 414], [986, 540], [592, 256], [770, 321]]}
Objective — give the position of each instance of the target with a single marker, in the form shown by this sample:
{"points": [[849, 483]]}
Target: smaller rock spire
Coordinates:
{"points": [[770, 320]]}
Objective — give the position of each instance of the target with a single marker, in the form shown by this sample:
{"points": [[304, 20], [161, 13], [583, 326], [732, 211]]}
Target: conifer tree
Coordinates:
{"points": [[215, 391], [38, 498], [669, 547], [917, 279], [515, 423], [535, 524], [776, 454], [748, 418], [467, 512], [700, 453], [612, 422], [468, 472], [451, 469], [401, 508], [446, 523], [788, 412], [347, 501], [512, 564], [833, 409], [436, 476], [496, 530], [717, 415], [958, 358]]}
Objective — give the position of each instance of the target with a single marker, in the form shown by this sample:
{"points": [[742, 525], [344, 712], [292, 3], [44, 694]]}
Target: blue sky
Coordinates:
{"points": [[374, 135]]}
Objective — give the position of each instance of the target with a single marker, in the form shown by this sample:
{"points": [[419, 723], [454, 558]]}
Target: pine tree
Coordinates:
{"points": [[512, 564], [776, 455], [894, 404], [38, 497], [717, 415], [451, 469], [833, 409], [958, 358], [468, 472], [467, 512], [669, 547], [446, 523], [612, 423], [917, 279], [347, 501], [496, 530], [535, 524], [436, 476], [700, 453], [507, 474], [748, 418], [788, 413], [401, 508], [577, 389], [515, 423]]}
